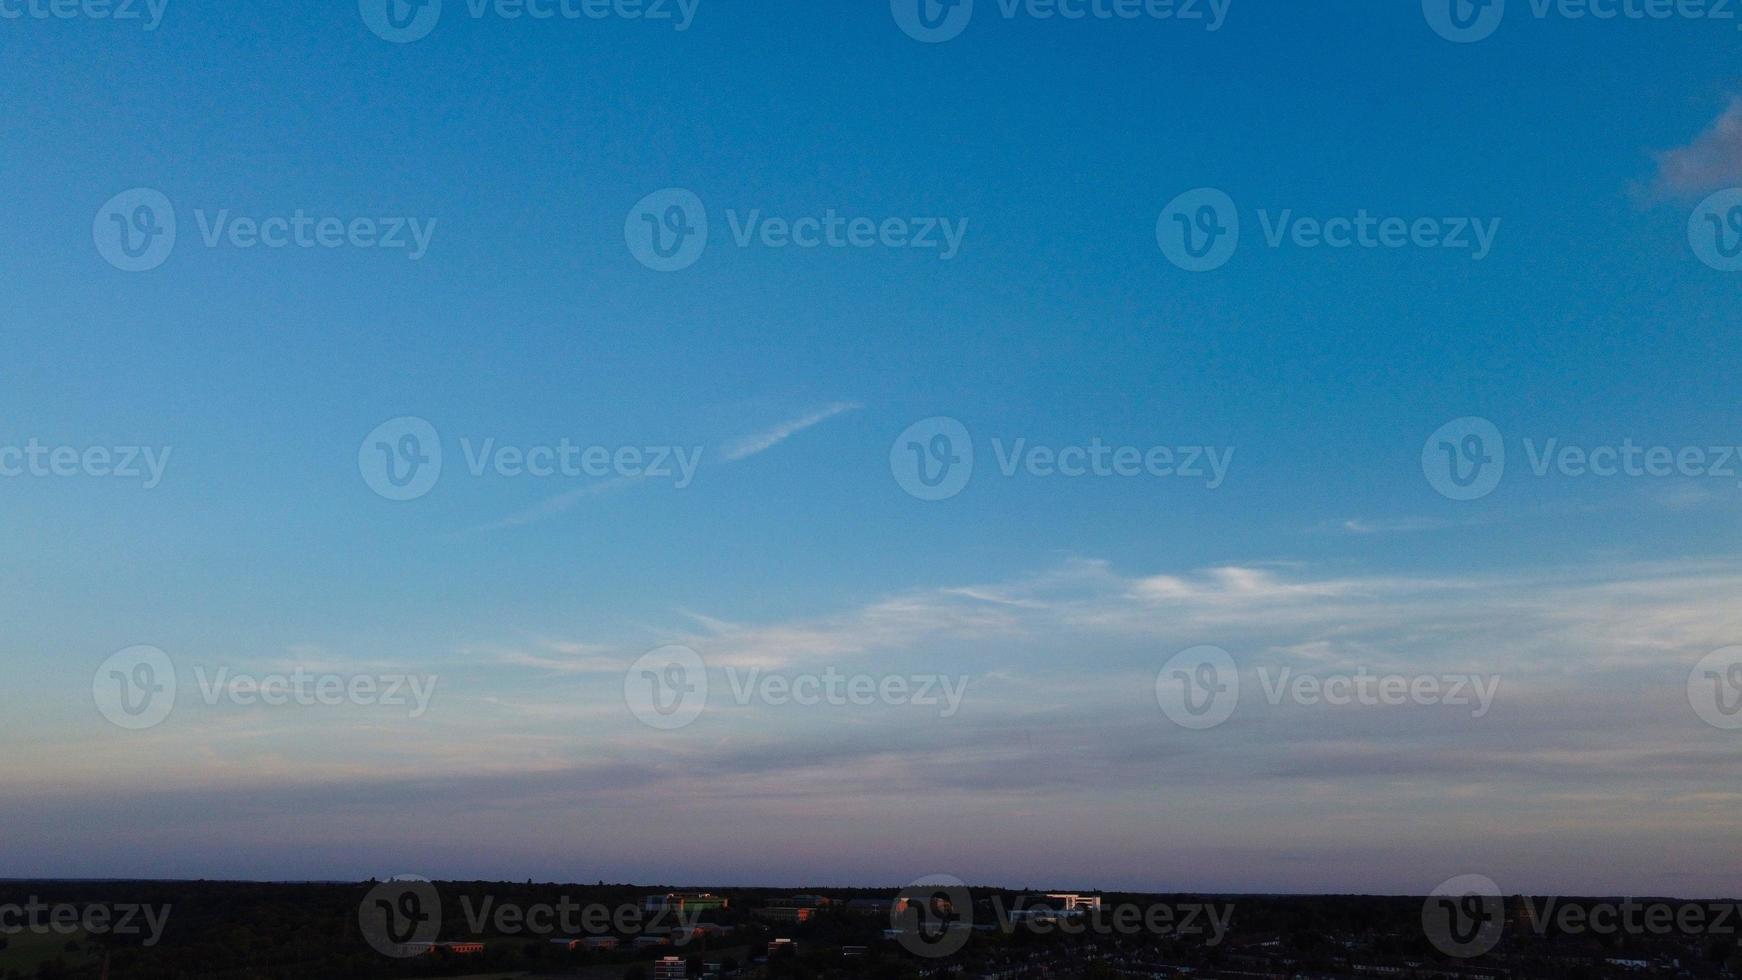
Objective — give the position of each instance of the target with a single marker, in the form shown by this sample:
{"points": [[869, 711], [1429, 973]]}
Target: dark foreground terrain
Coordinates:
{"points": [[241, 931]]}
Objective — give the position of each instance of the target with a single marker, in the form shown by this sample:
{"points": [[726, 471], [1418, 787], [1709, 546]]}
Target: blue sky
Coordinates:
{"points": [[1060, 321]]}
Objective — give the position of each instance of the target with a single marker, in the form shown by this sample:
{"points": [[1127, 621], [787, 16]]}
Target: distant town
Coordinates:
{"points": [[937, 927]]}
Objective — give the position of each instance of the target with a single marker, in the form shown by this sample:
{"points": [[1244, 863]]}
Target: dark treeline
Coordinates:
{"points": [[253, 931]]}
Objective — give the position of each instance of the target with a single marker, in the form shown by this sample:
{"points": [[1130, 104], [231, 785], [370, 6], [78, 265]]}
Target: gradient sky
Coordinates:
{"points": [[795, 549]]}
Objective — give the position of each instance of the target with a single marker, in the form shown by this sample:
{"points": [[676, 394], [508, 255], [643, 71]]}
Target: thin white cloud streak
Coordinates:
{"points": [[1390, 525], [553, 506], [767, 439], [740, 449], [556, 658]]}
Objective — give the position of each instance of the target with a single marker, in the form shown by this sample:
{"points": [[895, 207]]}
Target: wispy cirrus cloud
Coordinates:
{"points": [[1366, 527], [1592, 731], [557, 657], [553, 506], [1712, 161], [760, 442], [741, 448], [1616, 617], [1383, 525]]}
